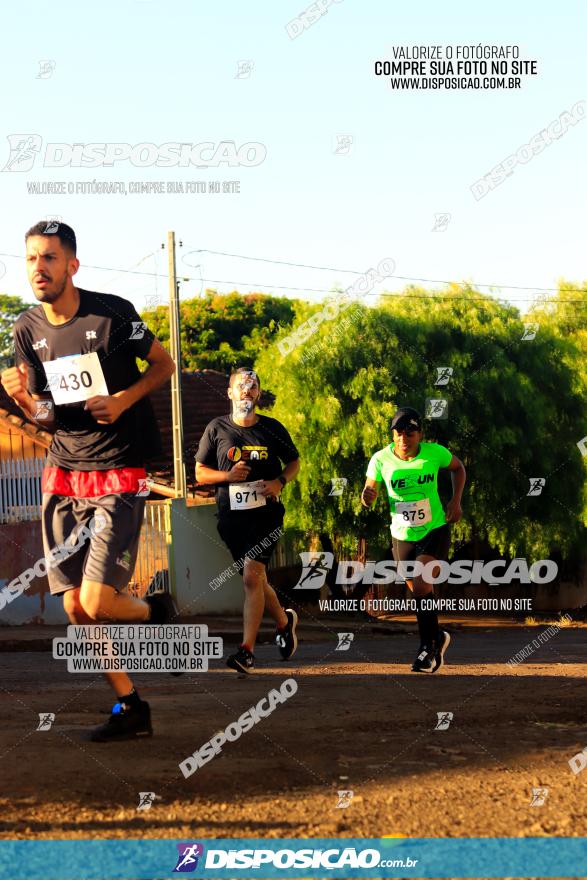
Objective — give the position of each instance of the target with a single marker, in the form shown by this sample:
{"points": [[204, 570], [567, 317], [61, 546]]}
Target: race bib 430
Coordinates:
{"points": [[74, 378]]}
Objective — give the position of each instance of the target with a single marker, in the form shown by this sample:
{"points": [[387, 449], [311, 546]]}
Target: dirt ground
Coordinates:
{"points": [[359, 721]]}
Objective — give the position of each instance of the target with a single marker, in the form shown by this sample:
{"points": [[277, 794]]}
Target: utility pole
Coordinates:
{"points": [[179, 478]]}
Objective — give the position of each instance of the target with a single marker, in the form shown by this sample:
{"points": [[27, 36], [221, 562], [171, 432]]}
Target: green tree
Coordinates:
{"points": [[219, 331], [10, 308], [565, 315], [514, 407]]}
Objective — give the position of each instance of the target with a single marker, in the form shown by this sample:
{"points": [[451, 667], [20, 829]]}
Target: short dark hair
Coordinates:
{"points": [[240, 370], [64, 233]]}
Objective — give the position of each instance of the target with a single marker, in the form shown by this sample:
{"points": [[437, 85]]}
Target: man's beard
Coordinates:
{"points": [[49, 296], [242, 407]]}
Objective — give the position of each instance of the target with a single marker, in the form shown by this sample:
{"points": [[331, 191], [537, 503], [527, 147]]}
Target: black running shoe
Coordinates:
{"points": [[242, 661], [163, 608], [424, 662], [287, 641], [126, 722], [440, 647]]}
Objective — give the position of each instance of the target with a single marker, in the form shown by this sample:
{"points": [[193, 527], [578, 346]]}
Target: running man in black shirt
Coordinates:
{"points": [[243, 454], [76, 363]]}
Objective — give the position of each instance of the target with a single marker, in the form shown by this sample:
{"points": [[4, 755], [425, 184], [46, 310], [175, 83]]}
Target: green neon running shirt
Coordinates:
{"points": [[413, 485]]}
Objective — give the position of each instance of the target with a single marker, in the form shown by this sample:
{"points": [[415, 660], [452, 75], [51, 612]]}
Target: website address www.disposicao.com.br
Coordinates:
{"points": [[325, 859]]}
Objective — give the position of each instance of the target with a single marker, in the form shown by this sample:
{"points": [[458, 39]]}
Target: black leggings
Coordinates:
{"points": [[435, 543]]}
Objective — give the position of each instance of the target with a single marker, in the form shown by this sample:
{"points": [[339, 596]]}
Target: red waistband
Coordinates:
{"points": [[91, 484]]}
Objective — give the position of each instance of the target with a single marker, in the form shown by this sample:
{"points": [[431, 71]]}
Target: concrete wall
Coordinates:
{"points": [[21, 546], [199, 556]]}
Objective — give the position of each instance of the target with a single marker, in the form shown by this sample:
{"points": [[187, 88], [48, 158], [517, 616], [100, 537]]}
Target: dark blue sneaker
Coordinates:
{"points": [[126, 722]]}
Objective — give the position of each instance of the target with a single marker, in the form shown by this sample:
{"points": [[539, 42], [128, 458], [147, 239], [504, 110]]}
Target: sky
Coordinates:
{"points": [[144, 71]]}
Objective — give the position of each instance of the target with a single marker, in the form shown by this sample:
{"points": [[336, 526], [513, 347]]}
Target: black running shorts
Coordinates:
{"points": [[252, 534], [92, 538], [435, 543]]}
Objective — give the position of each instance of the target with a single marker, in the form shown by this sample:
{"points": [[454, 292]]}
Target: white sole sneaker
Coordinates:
{"points": [[293, 618], [439, 655]]}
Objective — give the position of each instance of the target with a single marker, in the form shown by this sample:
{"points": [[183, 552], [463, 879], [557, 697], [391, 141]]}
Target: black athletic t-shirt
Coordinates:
{"points": [[266, 447], [110, 326]]}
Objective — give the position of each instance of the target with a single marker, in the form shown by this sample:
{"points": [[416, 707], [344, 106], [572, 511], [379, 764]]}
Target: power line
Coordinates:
{"points": [[426, 296], [104, 268], [472, 284], [138, 263], [356, 272], [266, 260]]}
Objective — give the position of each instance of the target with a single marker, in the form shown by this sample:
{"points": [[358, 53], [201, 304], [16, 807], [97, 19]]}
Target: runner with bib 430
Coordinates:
{"points": [[76, 374], [419, 526]]}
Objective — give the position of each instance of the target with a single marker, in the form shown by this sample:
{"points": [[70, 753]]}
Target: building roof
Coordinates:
{"points": [[13, 419], [203, 399]]}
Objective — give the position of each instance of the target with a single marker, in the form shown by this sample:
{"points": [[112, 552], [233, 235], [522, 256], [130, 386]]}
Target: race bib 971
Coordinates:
{"points": [[412, 513], [74, 378], [246, 495]]}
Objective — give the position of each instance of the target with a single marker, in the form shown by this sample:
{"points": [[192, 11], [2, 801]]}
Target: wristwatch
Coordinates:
{"points": [[282, 480]]}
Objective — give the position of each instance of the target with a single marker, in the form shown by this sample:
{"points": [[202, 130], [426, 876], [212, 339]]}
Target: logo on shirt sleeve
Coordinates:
{"points": [[139, 329]]}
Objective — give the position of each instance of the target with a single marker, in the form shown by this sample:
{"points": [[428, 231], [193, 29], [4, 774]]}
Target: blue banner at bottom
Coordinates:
{"points": [[226, 859]]}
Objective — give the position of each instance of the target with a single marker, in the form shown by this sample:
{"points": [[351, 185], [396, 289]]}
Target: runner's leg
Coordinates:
{"points": [[404, 553], [119, 681], [259, 597], [254, 577], [60, 518], [102, 602], [272, 604], [423, 586]]}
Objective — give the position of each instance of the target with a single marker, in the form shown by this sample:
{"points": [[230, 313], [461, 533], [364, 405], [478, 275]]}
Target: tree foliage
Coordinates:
{"points": [[220, 331], [10, 308], [565, 315], [513, 410]]}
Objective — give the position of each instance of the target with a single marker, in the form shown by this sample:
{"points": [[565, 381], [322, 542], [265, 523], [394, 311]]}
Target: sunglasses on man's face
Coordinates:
{"points": [[407, 431]]}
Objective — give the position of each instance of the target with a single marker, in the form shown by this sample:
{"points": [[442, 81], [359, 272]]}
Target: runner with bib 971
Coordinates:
{"points": [[250, 458], [419, 526]]}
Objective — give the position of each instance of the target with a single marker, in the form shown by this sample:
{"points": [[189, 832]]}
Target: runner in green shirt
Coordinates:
{"points": [[419, 526]]}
